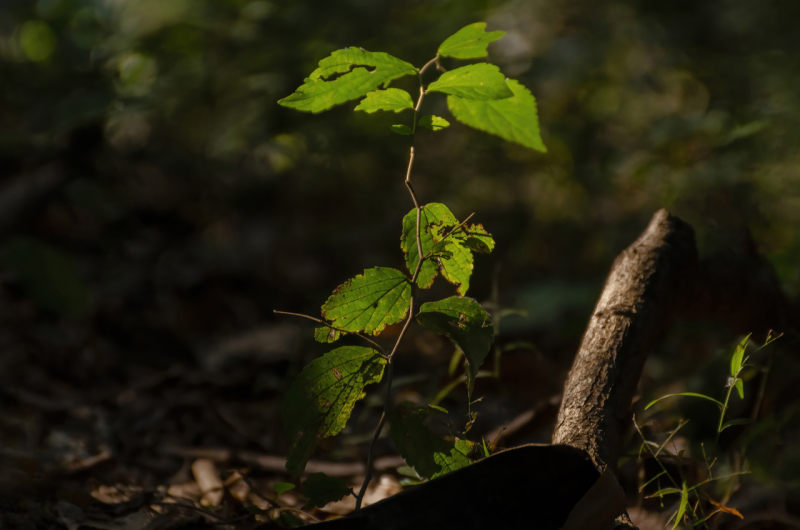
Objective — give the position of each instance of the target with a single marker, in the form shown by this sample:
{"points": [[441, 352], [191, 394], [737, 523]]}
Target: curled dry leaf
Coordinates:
{"points": [[207, 478]]}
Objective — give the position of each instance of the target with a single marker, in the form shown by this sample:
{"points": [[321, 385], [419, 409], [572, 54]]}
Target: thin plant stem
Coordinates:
{"points": [[661, 465], [320, 321], [762, 387], [459, 226], [412, 299], [681, 424]]}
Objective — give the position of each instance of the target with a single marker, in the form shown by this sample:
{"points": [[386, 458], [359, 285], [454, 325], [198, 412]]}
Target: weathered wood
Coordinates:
{"points": [[641, 291]]}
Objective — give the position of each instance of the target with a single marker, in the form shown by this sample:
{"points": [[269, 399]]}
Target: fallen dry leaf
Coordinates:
{"points": [[207, 478], [726, 509]]}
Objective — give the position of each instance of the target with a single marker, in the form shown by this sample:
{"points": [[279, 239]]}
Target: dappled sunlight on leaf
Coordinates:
{"points": [[429, 454], [482, 81], [464, 322], [321, 398], [370, 301], [445, 248], [470, 42], [515, 118], [358, 72]]}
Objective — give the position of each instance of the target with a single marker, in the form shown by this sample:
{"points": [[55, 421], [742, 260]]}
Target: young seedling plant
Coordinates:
{"points": [[433, 241], [691, 496]]}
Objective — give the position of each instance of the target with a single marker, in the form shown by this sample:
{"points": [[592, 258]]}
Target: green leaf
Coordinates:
{"points": [[399, 128], [682, 506], [469, 42], [685, 394], [478, 239], [455, 458], [444, 249], [456, 264], [664, 491], [410, 472], [433, 218], [737, 359], [326, 334], [739, 384], [514, 119], [466, 324], [433, 123], [426, 452], [481, 81], [322, 489], [321, 398], [738, 421], [283, 487], [413, 440], [344, 75], [390, 99], [369, 302]]}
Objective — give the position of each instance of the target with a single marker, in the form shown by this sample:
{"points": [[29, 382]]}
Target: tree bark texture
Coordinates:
{"points": [[640, 294]]}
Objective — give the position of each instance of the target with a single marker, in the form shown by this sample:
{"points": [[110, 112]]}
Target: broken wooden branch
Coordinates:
{"points": [[639, 296]]}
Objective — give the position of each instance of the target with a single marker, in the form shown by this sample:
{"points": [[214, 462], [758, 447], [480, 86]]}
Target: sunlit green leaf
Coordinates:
{"points": [[433, 123], [682, 506], [665, 491], [437, 408], [446, 249], [433, 218], [514, 119], [283, 487], [410, 472], [342, 61], [737, 359], [685, 394], [464, 322], [482, 81], [457, 264], [390, 99], [449, 255], [326, 334], [344, 75], [426, 452], [369, 302], [322, 489], [399, 128], [469, 42], [478, 239], [739, 385], [320, 400], [456, 456]]}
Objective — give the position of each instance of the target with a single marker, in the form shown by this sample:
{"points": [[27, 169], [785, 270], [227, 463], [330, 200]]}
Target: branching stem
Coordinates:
{"points": [[412, 300]]}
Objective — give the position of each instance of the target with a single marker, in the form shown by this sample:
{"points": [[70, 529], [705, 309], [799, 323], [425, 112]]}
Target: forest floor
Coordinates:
{"points": [[103, 439]]}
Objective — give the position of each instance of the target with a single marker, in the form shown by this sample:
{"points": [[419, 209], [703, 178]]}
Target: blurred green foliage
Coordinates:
{"points": [[155, 199], [185, 194]]}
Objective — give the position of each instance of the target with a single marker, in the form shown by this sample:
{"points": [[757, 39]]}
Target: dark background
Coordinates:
{"points": [[156, 204]]}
